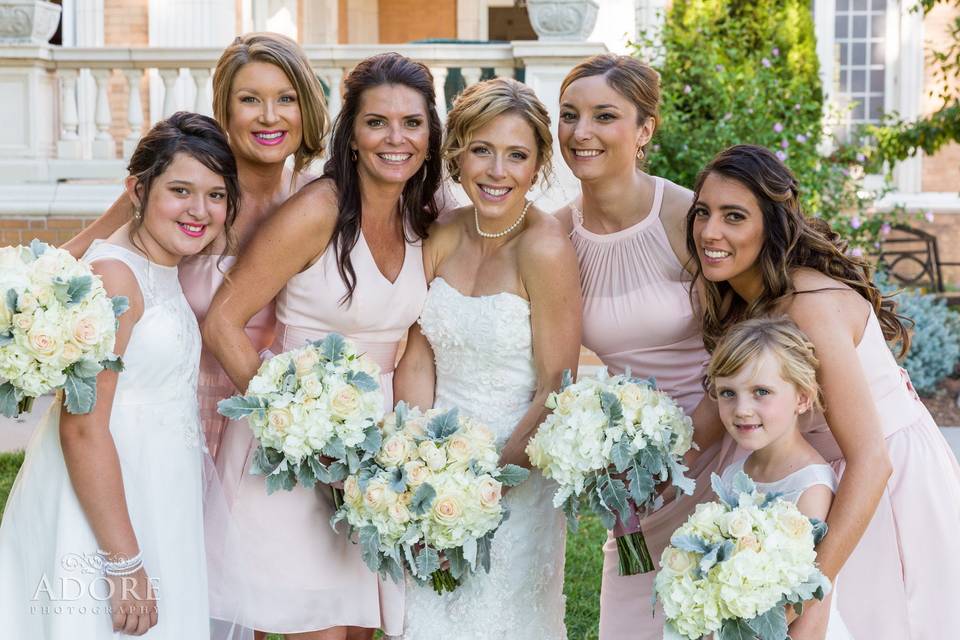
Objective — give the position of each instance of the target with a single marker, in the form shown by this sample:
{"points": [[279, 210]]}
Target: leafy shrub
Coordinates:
{"points": [[935, 344], [747, 72]]}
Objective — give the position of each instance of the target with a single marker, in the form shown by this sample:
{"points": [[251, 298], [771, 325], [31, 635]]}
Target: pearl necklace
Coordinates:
{"points": [[500, 234]]}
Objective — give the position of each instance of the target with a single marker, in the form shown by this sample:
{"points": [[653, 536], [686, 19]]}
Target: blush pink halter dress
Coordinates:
{"points": [[294, 572], [637, 314]]}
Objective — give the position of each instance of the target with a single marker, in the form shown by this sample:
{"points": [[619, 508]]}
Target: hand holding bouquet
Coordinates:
{"points": [[735, 565], [613, 439], [319, 400], [57, 328], [431, 493]]}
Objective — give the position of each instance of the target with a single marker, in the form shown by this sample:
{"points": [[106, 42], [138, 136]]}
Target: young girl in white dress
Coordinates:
{"points": [[103, 530], [764, 376]]}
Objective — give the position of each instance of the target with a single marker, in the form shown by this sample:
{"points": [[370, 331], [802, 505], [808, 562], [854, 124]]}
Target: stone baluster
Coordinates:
{"points": [[334, 80], [69, 145], [169, 77], [134, 111], [104, 147], [504, 72], [471, 75], [204, 102], [439, 84]]}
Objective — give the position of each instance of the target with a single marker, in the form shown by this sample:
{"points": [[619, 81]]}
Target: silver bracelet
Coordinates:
{"points": [[120, 567]]}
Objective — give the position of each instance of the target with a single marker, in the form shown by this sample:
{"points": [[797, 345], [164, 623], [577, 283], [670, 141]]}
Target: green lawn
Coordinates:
{"points": [[584, 562]]}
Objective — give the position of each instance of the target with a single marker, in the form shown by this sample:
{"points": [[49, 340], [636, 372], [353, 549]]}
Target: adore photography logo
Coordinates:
{"points": [[87, 590]]}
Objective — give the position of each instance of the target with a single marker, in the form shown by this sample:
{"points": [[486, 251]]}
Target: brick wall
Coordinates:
{"points": [[53, 230], [941, 172], [125, 24], [406, 20]]}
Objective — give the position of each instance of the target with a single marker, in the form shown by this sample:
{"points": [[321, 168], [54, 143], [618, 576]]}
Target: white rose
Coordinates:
{"points": [[394, 450], [676, 560], [738, 524], [351, 491], [86, 330], [447, 510], [435, 457], [489, 491], [374, 498], [417, 473], [344, 401], [279, 419], [459, 448], [795, 524], [71, 353], [311, 385], [43, 341], [399, 512]]}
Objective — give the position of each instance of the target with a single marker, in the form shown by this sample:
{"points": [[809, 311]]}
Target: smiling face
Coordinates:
{"points": [[728, 232], [498, 167], [186, 210], [598, 131], [391, 134], [757, 406], [265, 123]]}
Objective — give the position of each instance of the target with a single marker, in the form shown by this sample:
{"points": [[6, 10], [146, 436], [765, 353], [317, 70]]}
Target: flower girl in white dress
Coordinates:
{"points": [[103, 530], [764, 376]]}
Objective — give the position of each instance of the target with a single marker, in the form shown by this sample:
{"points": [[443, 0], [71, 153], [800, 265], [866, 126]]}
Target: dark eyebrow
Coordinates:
{"points": [[606, 106], [382, 117], [284, 90], [186, 182]]}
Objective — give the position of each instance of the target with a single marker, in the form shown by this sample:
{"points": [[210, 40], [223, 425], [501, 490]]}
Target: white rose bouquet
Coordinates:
{"points": [[58, 327], [431, 493], [613, 439], [735, 565], [307, 406]]}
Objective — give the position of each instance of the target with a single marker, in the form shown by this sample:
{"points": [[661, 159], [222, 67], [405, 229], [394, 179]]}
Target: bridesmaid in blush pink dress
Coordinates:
{"points": [[344, 255], [251, 93], [637, 314], [895, 519]]}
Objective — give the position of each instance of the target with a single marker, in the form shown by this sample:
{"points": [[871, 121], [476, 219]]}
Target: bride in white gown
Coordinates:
{"points": [[104, 525], [500, 324]]}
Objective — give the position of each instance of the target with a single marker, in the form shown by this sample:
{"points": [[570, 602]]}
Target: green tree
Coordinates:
{"points": [[746, 71]]}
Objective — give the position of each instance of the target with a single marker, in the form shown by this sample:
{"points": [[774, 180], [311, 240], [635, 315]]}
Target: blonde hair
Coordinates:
{"points": [[637, 82], [747, 341], [284, 53], [484, 101]]}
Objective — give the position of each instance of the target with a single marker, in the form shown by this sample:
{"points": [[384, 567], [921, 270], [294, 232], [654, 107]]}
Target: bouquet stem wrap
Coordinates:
{"points": [[632, 550], [443, 581]]}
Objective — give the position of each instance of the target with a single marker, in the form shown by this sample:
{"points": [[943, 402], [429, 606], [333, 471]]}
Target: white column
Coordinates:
{"points": [[439, 82], [334, 80], [906, 92], [203, 103], [69, 146], [103, 145], [134, 111], [504, 72], [471, 75], [169, 77]]}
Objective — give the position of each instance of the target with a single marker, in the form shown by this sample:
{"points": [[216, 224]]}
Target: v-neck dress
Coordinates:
{"points": [[297, 574]]}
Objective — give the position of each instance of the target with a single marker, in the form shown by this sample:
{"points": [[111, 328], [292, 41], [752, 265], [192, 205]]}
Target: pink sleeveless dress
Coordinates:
{"points": [[902, 582], [295, 573], [200, 276], [637, 315]]}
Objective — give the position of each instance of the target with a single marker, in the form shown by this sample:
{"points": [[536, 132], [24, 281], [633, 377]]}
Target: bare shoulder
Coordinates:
{"points": [[564, 215], [545, 243], [313, 208], [825, 308], [676, 204], [118, 280], [815, 502]]}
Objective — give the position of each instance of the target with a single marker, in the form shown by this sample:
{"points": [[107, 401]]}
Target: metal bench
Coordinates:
{"points": [[911, 257]]}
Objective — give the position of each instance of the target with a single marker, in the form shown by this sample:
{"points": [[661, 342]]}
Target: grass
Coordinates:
{"points": [[583, 564]]}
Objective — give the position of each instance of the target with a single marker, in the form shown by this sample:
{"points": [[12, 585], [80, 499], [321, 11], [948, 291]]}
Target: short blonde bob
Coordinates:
{"points": [[284, 53], [745, 342], [484, 101]]}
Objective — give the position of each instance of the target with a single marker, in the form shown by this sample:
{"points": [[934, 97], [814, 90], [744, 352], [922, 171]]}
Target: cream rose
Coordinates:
{"points": [[345, 401], [43, 341], [71, 353], [676, 560], [375, 495], [739, 524], [398, 512], [489, 491], [749, 542], [417, 473], [432, 455], [85, 331], [311, 385], [459, 448], [795, 524], [27, 301], [279, 419], [447, 510], [305, 361], [23, 321], [393, 451], [351, 490]]}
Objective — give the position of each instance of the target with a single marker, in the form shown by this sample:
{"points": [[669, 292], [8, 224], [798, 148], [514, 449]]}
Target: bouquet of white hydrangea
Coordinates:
{"points": [[308, 406], [736, 564], [58, 327], [613, 439], [431, 493]]}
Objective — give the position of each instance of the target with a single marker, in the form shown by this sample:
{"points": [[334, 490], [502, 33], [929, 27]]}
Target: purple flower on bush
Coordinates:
{"points": [[785, 144], [885, 229], [687, 88], [765, 63], [796, 106], [775, 52], [856, 252], [727, 115], [719, 67], [928, 216], [855, 222], [861, 158], [782, 156], [876, 245], [801, 138], [778, 127]]}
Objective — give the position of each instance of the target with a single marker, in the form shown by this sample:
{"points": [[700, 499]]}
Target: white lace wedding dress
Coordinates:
{"points": [[484, 360], [51, 587]]}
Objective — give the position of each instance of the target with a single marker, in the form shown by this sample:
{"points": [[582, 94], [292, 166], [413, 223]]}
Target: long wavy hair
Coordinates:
{"points": [[790, 240], [418, 205]]}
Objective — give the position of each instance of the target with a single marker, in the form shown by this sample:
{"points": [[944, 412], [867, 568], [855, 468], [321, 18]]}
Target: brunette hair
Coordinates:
{"points": [[789, 241], [288, 56], [480, 104], [637, 82], [417, 203], [197, 136], [748, 340]]}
